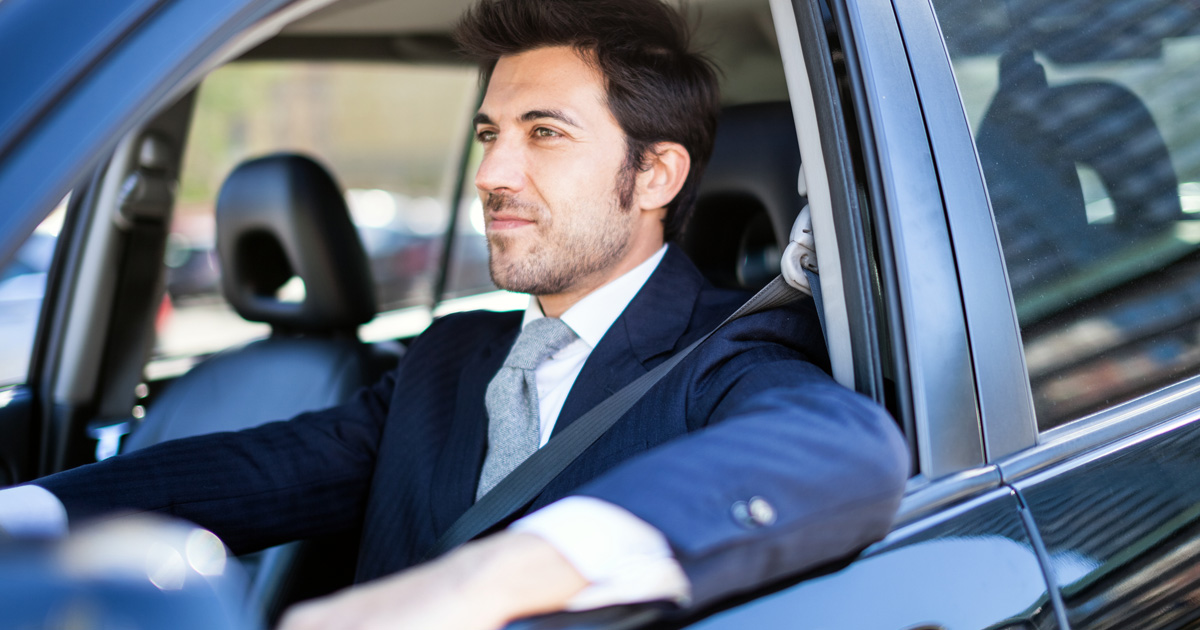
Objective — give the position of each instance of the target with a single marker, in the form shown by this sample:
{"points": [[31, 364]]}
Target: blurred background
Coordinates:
{"points": [[382, 130]]}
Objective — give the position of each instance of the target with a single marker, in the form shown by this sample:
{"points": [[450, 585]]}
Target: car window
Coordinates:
{"points": [[391, 134], [1085, 120], [468, 271], [22, 286]]}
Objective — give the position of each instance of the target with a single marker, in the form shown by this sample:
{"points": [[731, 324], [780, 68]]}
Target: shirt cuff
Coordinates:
{"points": [[625, 559], [32, 512]]}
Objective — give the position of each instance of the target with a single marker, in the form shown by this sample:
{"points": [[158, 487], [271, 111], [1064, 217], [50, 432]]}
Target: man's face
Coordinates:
{"points": [[550, 176]]}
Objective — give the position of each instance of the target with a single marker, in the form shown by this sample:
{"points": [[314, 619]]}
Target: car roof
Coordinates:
{"points": [[737, 34]]}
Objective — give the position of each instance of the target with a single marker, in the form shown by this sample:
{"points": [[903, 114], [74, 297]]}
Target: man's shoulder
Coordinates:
{"points": [[465, 331], [713, 305], [472, 323], [795, 325]]}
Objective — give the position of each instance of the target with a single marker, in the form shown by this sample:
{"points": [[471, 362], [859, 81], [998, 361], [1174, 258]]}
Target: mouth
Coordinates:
{"points": [[506, 221], [504, 212]]}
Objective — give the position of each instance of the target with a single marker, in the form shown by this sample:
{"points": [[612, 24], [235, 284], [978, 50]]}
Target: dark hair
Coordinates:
{"points": [[657, 89]]}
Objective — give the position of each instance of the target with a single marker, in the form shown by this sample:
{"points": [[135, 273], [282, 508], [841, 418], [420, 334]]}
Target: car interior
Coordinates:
{"points": [[300, 206], [295, 247]]}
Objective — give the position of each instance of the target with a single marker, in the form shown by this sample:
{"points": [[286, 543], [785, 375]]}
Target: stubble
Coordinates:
{"points": [[570, 245]]}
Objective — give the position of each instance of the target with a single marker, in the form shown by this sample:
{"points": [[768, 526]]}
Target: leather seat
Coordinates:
{"points": [[279, 218]]}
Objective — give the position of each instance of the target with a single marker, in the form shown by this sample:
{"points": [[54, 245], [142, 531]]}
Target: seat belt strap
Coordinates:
{"points": [[814, 285], [527, 480]]}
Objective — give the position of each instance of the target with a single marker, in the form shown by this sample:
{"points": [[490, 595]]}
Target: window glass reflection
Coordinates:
{"points": [[1085, 122]]}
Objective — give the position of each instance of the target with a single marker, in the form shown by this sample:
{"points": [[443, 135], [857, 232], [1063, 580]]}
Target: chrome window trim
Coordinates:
{"points": [[1001, 378], [905, 530], [923, 497], [1087, 439]]}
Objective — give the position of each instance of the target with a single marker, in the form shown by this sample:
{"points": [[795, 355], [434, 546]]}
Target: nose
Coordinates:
{"points": [[502, 168]]}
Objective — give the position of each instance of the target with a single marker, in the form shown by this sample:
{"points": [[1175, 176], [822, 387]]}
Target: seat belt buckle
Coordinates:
{"points": [[800, 257]]}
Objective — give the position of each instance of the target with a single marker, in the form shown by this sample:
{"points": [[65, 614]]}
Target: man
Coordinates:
{"points": [[746, 463]]}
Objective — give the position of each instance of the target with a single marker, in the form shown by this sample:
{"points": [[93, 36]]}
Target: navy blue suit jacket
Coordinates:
{"points": [[749, 414]]}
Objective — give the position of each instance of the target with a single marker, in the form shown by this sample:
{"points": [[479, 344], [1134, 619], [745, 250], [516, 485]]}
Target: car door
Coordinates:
{"points": [[35, 231], [1085, 120]]}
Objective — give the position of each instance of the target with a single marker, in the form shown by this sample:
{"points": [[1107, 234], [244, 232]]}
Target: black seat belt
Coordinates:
{"points": [[528, 480]]}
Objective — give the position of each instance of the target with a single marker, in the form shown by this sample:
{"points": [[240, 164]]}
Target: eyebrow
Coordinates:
{"points": [[530, 116], [555, 114]]}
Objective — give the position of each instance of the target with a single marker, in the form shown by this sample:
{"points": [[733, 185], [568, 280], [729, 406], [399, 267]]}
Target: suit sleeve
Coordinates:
{"points": [[787, 471], [254, 488]]}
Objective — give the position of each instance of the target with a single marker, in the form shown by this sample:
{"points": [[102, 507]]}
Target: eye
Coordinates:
{"points": [[546, 132], [485, 135]]}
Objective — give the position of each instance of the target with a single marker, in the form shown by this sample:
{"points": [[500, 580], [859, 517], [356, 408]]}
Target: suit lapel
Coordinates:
{"points": [[461, 460], [645, 334]]}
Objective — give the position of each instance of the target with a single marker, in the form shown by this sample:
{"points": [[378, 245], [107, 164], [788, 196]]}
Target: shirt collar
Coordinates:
{"points": [[593, 315]]}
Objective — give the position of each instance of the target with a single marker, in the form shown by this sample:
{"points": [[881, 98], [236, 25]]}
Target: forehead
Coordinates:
{"points": [[545, 78]]}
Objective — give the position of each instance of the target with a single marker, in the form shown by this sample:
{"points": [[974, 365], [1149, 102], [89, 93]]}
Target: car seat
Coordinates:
{"points": [[279, 217]]}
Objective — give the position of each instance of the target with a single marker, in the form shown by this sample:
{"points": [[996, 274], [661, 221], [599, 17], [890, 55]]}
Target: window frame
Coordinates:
{"points": [[898, 184]]}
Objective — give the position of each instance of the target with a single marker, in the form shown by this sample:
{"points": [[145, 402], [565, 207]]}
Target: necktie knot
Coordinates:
{"points": [[538, 340]]}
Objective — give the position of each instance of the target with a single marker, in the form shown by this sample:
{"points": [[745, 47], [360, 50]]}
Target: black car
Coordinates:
{"points": [[1005, 197]]}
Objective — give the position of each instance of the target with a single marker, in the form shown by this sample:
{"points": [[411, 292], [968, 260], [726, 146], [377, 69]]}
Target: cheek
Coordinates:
{"points": [[568, 179]]}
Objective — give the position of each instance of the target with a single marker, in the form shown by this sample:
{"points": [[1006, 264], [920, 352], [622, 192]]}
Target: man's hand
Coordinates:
{"points": [[481, 586]]}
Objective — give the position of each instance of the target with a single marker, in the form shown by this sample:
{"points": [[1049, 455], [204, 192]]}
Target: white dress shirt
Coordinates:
{"points": [[625, 559], [32, 512]]}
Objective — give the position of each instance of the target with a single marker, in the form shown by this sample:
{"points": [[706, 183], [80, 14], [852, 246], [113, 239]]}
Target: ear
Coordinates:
{"points": [[666, 168]]}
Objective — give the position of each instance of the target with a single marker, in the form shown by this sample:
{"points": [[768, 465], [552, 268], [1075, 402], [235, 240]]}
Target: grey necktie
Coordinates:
{"points": [[512, 400]]}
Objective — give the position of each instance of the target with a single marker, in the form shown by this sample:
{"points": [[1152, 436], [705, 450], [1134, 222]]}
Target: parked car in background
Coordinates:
{"points": [[1005, 196]]}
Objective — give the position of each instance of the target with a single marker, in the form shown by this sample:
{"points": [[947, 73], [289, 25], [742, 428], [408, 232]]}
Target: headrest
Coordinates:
{"points": [[748, 197], [282, 216]]}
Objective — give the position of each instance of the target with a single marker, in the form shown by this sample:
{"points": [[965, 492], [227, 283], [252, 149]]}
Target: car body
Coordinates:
{"points": [[1044, 374]]}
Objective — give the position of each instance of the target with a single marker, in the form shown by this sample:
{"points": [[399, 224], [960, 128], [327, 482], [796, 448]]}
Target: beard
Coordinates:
{"points": [[567, 246]]}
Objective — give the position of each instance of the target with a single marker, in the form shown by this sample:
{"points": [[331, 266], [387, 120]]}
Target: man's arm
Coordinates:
{"points": [[253, 488], [830, 464], [32, 512], [787, 479], [624, 559], [480, 586]]}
